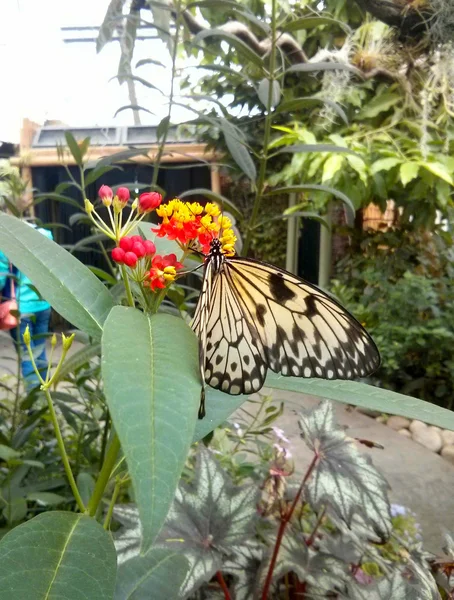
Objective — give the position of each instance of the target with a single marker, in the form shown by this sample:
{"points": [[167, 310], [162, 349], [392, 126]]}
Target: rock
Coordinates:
{"points": [[447, 437], [429, 438], [448, 453], [397, 423], [405, 433], [417, 426], [381, 419]]}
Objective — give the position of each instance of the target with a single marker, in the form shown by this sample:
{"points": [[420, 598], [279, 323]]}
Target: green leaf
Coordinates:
{"points": [[289, 189], [311, 22], [378, 104], [45, 498], [157, 574], [359, 166], [38, 198], [153, 394], [208, 520], [57, 555], [113, 18], [343, 477], [297, 103], [438, 169], [385, 164], [408, 171], [224, 202], [86, 486], [7, 453], [231, 39], [238, 150], [94, 174], [14, 512], [74, 148], [122, 156], [332, 166], [69, 286], [264, 91], [315, 148], [367, 396], [318, 569]]}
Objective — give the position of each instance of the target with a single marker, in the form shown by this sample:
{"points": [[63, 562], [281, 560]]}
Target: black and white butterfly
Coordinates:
{"points": [[252, 316]]}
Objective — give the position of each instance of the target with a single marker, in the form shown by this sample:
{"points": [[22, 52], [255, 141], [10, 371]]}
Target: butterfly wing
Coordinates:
{"points": [[230, 352], [300, 329]]}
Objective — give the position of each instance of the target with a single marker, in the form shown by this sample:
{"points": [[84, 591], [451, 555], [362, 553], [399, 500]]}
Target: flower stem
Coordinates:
{"points": [[282, 526], [107, 520], [127, 286], [104, 476], [266, 135], [61, 447], [223, 585]]}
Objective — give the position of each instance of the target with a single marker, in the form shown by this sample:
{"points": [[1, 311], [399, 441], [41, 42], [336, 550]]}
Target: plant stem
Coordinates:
{"points": [[283, 524], [107, 520], [61, 447], [104, 476], [310, 539], [223, 585], [266, 135], [18, 381], [162, 143], [124, 276], [105, 435]]}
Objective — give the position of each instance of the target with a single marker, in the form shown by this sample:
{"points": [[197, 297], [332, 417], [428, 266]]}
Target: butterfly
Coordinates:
{"points": [[252, 316]]}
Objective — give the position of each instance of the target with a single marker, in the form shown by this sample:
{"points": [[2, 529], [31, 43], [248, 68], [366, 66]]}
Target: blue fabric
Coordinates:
{"points": [[38, 324], [27, 299]]}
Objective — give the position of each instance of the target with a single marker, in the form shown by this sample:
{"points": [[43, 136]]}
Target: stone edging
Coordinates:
{"points": [[434, 438]]}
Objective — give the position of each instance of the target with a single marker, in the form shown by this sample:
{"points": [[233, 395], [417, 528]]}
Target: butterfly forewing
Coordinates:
{"points": [[303, 331], [252, 316]]}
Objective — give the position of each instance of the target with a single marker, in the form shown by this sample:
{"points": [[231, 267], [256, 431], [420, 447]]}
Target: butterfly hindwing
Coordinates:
{"points": [[232, 361]]}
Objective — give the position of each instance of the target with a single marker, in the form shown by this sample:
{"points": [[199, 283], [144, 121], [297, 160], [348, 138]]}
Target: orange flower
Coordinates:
{"points": [[163, 271]]}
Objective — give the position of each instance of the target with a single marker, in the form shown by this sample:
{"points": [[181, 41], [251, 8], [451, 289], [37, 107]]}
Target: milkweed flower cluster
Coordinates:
{"points": [[189, 222], [115, 203], [148, 268]]}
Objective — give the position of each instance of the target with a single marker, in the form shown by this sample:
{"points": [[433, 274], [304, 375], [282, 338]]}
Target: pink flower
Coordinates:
{"points": [[149, 201], [123, 194]]}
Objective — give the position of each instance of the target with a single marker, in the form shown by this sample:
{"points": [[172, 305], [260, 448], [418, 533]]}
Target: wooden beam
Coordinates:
{"points": [[173, 153]]}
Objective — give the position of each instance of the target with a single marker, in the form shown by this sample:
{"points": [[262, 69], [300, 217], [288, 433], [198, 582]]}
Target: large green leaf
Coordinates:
{"points": [[219, 406], [209, 519], [57, 555], [344, 478], [68, 285], [366, 396], [152, 388], [157, 574]]}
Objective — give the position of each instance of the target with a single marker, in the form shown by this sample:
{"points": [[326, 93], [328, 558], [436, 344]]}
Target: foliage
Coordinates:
{"points": [[216, 526], [415, 338]]}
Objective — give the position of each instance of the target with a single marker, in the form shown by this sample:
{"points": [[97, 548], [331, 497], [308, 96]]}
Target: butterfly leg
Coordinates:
{"points": [[202, 412]]}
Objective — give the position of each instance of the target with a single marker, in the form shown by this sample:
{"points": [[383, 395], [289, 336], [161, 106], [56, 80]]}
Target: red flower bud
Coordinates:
{"points": [[150, 248], [123, 194], [130, 259], [118, 255], [149, 201], [105, 192], [139, 249], [136, 239], [126, 244]]}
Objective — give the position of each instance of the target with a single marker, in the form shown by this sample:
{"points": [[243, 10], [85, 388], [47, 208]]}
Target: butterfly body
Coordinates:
{"points": [[252, 316]]}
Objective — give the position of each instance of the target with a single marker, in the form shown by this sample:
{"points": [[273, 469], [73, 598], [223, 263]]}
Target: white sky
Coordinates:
{"points": [[41, 77]]}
